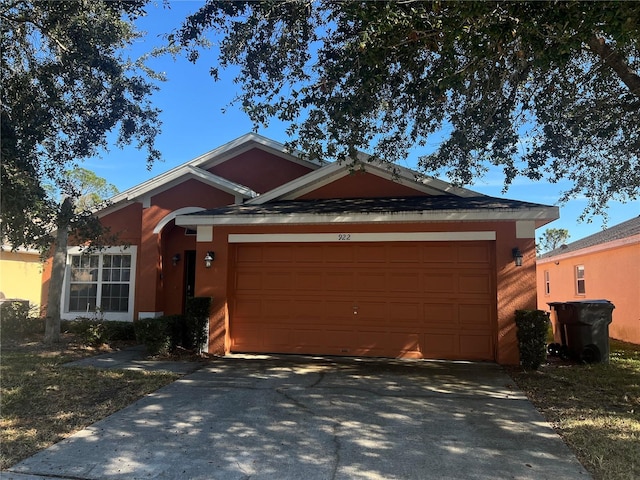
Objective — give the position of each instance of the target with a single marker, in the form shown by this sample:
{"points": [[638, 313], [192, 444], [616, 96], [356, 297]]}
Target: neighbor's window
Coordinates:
{"points": [[99, 281], [580, 286], [547, 283]]}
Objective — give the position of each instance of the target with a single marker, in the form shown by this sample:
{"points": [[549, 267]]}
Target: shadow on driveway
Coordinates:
{"points": [[282, 417]]}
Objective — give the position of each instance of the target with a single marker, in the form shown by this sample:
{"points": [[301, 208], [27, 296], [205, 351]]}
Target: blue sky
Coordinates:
{"points": [[193, 123]]}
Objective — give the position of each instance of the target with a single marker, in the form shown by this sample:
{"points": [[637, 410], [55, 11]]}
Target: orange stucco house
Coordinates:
{"points": [[605, 265], [304, 257]]}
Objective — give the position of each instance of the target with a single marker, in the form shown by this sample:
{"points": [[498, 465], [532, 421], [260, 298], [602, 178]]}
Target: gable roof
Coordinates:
{"points": [[197, 169], [334, 171], [360, 210], [627, 229]]}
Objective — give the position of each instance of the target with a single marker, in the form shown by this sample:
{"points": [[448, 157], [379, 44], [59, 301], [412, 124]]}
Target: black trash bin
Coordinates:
{"points": [[584, 328]]}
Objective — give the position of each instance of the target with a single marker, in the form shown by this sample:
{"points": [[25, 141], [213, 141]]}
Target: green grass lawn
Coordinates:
{"points": [[596, 409], [42, 402]]}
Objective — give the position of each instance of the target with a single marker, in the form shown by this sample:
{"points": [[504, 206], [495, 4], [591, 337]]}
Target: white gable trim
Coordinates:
{"points": [[181, 211], [334, 171], [164, 182], [200, 164], [245, 143]]}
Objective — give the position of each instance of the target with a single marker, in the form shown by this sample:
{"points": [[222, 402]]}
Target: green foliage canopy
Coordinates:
{"points": [[551, 239], [65, 86], [546, 90]]}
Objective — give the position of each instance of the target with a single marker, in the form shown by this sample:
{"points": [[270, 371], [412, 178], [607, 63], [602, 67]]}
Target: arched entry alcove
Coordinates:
{"points": [[177, 246]]}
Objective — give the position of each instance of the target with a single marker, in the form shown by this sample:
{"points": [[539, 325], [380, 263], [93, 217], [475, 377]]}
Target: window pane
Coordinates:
{"points": [[111, 291], [82, 297], [115, 297]]}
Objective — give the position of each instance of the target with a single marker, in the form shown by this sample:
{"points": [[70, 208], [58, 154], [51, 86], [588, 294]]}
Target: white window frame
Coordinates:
{"points": [[121, 316], [547, 282], [580, 278]]}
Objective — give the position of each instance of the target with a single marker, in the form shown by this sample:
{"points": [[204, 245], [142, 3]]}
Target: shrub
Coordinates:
{"points": [[99, 332], [197, 315], [17, 319], [154, 333], [532, 333]]}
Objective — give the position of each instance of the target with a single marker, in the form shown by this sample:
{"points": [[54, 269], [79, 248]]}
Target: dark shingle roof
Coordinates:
{"points": [[617, 232], [371, 205]]}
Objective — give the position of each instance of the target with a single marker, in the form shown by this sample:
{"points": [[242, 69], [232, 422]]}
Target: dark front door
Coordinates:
{"points": [[189, 275]]}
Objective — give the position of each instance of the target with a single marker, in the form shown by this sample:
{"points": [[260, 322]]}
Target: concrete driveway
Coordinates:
{"points": [[319, 418]]}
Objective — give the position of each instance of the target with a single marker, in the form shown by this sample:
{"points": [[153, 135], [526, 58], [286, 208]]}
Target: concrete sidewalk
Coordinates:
{"points": [[318, 418], [134, 359]]}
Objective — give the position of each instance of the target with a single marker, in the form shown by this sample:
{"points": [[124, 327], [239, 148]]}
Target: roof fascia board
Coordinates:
{"points": [[601, 247], [541, 216]]}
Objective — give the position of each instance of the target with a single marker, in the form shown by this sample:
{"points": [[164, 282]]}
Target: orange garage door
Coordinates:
{"points": [[399, 299]]}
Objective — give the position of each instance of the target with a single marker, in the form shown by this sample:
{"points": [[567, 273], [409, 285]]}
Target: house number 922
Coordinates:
{"points": [[344, 237]]}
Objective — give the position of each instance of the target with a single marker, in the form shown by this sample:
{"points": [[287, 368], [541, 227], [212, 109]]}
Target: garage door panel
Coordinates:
{"points": [[404, 299], [277, 254], [403, 282], [438, 253], [441, 314], [476, 347], [475, 315], [249, 254], [308, 254], [472, 283], [405, 312], [371, 281], [369, 311], [248, 281], [307, 280], [278, 280], [474, 254], [342, 310], [403, 254], [439, 282], [247, 308], [440, 345], [337, 254], [370, 253], [337, 281]]}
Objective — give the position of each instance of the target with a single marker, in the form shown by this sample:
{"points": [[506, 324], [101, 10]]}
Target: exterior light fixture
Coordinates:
{"points": [[208, 258], [517, 256], [175, 259]]}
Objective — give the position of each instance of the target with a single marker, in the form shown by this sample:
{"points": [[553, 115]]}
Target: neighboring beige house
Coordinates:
{"points": [[20, 275], [605, 265]]}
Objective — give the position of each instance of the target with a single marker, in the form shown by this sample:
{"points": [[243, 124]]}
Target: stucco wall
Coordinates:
{"points": [[611, 272], [20, 275]]}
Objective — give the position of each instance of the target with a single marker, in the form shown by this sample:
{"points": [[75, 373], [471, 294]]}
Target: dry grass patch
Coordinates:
{"points": [[43, 402], [596, 408]]}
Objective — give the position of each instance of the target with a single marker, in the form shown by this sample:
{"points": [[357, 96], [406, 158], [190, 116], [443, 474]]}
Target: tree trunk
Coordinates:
{"points": [[617, 63], [52, 326]]}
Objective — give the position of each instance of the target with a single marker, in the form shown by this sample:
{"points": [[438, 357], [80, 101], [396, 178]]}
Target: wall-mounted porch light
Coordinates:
{"points": [[517, 256], [208, 259], [175, 259]]}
